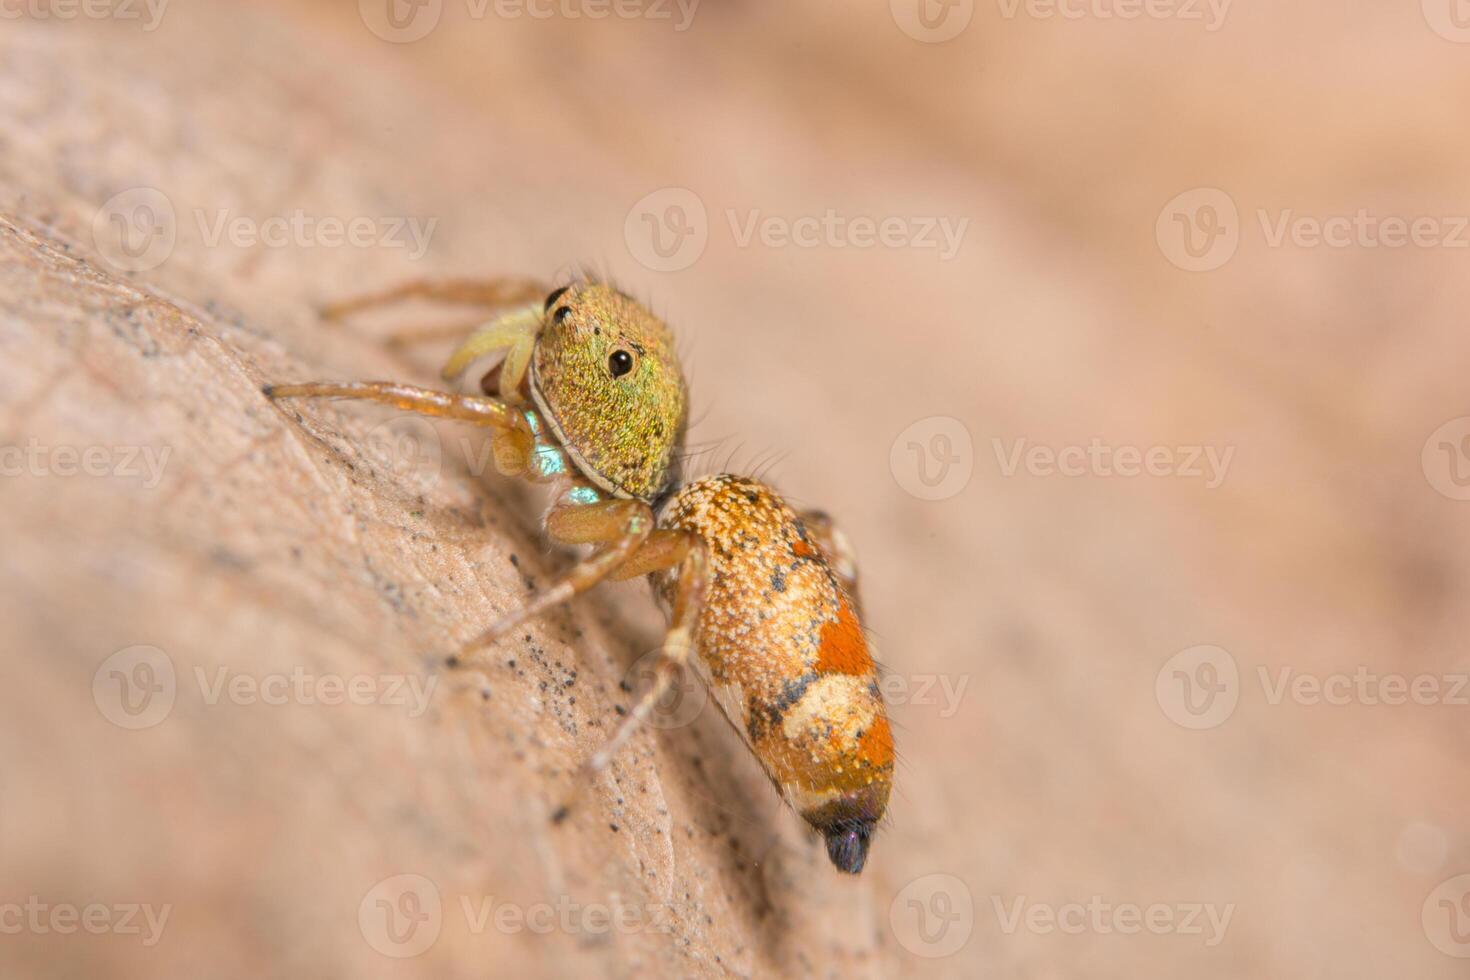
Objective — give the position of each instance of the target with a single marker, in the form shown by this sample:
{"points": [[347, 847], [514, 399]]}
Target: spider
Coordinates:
{"points": [[589, 396]]}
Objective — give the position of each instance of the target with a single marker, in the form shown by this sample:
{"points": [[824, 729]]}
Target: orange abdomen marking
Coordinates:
{"points": [[844, 649]]}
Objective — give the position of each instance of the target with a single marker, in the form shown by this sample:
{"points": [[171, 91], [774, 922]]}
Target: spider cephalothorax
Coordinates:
{"points": [[606, 378]]}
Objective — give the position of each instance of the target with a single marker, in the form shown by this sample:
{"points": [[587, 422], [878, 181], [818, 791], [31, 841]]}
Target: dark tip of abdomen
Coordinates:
{"points": [[847, 846]]}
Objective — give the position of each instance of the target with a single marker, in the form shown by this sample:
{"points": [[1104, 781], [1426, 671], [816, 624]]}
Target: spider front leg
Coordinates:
{"points": [[513, 440], [621, 526], [515, 333]]}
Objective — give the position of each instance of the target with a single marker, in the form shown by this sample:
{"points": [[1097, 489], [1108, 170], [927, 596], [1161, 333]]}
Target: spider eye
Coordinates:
{"points": [[560, 316], [620, 363], [556, 295]]}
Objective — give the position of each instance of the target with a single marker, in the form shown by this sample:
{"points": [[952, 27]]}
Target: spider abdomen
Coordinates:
{"points": [[780, 644]]}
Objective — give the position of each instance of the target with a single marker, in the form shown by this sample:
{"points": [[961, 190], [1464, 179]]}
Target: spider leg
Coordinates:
{"points": [[515, 333], [665, 549], [505, 291], [620, 525], [513, 441], [836, 547], [678, 642]]}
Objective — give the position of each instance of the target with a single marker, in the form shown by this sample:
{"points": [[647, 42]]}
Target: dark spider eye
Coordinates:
{"points": [[560, 316], [620, 363], [556, 295]]}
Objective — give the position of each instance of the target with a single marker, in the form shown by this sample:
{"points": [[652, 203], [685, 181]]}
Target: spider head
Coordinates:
{"points": [[606, 378]]}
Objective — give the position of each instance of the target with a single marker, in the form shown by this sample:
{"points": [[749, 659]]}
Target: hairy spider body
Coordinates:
{"points": [[591, 399], [780, 646]]}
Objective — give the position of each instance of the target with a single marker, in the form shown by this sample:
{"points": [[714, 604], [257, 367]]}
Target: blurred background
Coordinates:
{"points": [[1124, 339]]}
